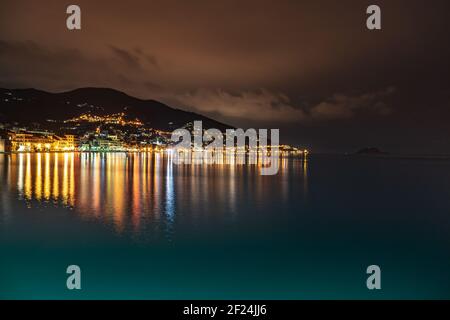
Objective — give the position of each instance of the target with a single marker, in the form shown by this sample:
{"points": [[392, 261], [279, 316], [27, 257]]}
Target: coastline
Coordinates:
{"points": [[73, 151]]}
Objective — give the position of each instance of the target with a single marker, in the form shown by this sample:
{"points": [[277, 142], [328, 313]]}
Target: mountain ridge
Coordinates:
{"points": [[26, 106]]}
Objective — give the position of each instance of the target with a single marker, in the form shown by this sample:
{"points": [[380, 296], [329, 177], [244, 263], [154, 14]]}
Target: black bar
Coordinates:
{"points": [[236, 309]]}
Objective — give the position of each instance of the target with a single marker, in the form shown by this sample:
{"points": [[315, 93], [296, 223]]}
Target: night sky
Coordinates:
{"points": [[310, 68]]}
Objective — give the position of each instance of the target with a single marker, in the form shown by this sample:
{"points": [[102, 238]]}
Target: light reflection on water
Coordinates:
{"points": [[132, 191], [154, 229]]}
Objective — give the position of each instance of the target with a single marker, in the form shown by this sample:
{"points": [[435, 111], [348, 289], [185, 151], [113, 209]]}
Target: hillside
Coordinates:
{"points": [[31, 107]]}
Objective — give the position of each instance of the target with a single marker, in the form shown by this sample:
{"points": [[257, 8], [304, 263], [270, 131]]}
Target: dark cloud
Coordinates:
{"points": [[150, 58], [128, 58], [341, 106], [29, 64], [309, 65], [261, 105]]}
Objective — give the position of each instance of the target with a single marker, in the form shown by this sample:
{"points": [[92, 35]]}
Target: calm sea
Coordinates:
{"points": [[142, 227]]}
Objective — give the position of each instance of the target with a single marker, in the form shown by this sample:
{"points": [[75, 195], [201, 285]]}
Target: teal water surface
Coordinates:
{"points": [[142, 227]]}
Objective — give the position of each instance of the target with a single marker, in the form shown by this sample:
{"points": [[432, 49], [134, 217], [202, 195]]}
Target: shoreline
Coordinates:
{"points": [[75, 151]]}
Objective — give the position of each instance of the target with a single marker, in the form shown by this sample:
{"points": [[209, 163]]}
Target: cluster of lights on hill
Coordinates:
{"points": [[117, 118]]}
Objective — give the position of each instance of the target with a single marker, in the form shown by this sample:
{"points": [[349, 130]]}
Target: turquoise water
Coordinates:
{"points": [[141, 227]]}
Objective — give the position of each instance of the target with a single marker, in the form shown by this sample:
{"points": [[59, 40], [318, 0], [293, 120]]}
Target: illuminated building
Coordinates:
{"points": [[36, 142], [2, 145], [103, 144], [66, 143]]}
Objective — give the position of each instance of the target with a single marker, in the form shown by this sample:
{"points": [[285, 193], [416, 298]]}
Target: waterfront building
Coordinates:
{"points": [[40, 141]]}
